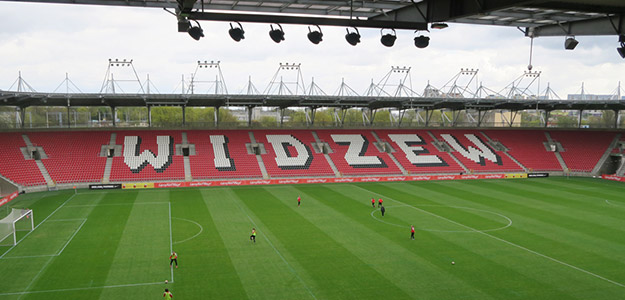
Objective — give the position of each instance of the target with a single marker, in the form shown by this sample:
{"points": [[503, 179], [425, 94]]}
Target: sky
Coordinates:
{"points": [[47, 41]]}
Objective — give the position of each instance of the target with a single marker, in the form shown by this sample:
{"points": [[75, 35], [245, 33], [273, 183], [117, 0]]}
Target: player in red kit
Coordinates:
{"points": [[299, 200], [380, 202], [373, 202], [411, 232]]}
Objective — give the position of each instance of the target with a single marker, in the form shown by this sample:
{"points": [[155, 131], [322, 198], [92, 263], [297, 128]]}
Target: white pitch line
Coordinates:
{"points": [[196, 223], [279, 254], [171, 244], [30, 256], [44, 220], [36, 277], [511, 243], [66, 220], [72, 237], [608, 202], [80, 289]]}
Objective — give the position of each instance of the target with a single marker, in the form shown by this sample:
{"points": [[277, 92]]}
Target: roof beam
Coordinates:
{"points": [[599, 26], [284, 19]]}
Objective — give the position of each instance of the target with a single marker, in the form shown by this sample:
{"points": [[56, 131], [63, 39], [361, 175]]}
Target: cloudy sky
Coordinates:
{"points": [[46, 41]]}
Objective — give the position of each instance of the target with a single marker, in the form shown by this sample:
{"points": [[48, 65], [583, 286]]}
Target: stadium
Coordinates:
{"points": [[457, 191]]}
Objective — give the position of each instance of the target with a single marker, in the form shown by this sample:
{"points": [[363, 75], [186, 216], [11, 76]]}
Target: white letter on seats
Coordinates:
{"points": [[137, 161], [284, 158], [471, 153], [355, 155], [407, 143], [222, 160]]}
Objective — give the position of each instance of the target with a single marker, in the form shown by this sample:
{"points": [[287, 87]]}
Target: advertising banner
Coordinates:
{"points": [[613, 177], [8, 198], [105, 186]]}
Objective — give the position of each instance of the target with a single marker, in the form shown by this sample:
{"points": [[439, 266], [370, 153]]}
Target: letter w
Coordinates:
{"points": [[137, 160]]}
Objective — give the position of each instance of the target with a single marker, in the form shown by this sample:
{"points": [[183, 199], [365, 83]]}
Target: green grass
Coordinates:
{"points": [[552, 238]]}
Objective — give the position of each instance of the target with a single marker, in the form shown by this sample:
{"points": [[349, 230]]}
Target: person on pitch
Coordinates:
{"points": [[173, 258], [253, 236]]}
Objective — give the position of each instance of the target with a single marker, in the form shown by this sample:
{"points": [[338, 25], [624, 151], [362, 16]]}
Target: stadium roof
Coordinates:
{"points": [[25, 99], [544, 17]]}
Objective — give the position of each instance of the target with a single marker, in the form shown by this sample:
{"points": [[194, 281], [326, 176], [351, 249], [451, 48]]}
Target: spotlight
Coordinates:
{"points": [[352, 38], [196, 32], [439, 25], [570, 43], [315, 37], [421, 41], [277, 35], [388, 39], [236, 33], [621, 49]]}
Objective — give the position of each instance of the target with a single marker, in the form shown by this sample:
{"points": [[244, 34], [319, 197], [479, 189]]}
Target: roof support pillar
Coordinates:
{"points": [[216, 116], [69, 120], [547, 115], [184, 115], [579, 118], [149, 116], [616, 118], [114, 115], [249, 109]]}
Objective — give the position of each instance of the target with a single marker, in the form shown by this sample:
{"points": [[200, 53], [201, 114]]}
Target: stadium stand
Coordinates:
{"points": [[415, 151], [72, 156], [148, 155], [471, 148], [582, 149], [527, 147], [13, 165], [233, 159], [290, 153], [355, 154]]}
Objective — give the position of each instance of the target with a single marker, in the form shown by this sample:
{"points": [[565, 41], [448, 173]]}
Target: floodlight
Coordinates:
{"points": [[277, 35], [352, 38], [315, 37], [421, 41], [236, 33], [570, 43], [196, 32], [439, 25], [621, 49], [388, 39]]}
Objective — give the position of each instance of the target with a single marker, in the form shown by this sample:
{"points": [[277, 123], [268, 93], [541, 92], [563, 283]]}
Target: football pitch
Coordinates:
{"points": [[553, 238]]}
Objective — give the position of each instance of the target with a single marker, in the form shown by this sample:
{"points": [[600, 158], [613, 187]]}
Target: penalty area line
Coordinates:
{"points": [[510, 243], [44, 220], [81, 289]]}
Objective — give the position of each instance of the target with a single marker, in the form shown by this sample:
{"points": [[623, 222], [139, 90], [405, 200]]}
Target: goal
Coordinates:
{"points": [[20, 219]]}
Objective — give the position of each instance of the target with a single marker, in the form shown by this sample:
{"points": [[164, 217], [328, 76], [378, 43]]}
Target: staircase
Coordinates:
{"points": [[466, 170], [186, 160], [557, 154], [390, 154], [259, 158], [42, 168], [606, 155], [109, 161], [505, 151], [330, 162]]}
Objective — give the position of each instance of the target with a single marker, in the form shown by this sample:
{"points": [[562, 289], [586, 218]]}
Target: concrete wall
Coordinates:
{"points": [[6, 187]]}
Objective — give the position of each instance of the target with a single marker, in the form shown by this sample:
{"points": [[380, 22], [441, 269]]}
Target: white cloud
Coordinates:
{"points": [[55, 39]]}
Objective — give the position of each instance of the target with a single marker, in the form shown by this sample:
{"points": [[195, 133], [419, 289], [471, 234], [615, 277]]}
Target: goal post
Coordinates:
{"points": [[19, 219]]}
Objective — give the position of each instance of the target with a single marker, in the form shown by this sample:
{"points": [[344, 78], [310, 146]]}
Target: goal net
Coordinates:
{"points": [[19, 219]]}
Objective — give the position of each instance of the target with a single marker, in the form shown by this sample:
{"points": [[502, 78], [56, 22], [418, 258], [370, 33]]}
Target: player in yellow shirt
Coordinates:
{"points": [[253, 236], [173, 258], [168, 295]]}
